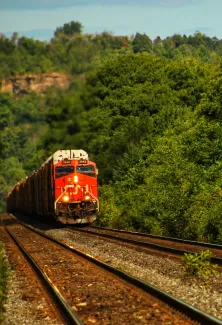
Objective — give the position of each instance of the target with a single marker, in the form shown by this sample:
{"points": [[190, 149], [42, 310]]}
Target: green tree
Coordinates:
{"points": [[142, 43], [69, 29]]}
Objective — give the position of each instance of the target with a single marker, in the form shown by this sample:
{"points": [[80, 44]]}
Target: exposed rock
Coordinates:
{"points": [[34, 82]]}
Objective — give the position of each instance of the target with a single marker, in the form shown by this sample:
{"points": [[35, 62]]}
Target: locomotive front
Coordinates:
{"points": [[75, 187]]}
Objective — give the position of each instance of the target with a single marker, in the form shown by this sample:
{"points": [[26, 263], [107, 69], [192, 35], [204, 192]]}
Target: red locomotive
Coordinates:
{"points": [[64, 189]]}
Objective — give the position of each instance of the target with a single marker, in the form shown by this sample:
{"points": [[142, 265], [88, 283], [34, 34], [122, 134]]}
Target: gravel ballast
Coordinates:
{"points": [[162, 272]]}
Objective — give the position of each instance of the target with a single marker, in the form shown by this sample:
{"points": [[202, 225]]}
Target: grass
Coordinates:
{"points": [[4, 273]]}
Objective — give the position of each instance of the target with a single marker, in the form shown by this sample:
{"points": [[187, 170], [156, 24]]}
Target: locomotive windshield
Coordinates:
{"points": [[88, 170], [61, 171]]}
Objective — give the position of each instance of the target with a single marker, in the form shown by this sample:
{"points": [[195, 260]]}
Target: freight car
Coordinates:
{"points": [[63, 189]]}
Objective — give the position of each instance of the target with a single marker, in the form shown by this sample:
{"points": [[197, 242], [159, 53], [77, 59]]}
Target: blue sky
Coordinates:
{"points": [[39, 18]]}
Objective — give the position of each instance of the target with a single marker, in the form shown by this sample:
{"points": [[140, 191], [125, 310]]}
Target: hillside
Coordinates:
{"points": [[148, 112]]}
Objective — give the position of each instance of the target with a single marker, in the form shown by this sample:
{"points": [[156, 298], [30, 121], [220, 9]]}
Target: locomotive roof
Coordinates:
{"points": [[73, 154]]}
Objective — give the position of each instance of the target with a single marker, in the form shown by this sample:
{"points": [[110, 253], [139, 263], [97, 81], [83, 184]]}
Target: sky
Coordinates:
{"points": [[40, 18]]}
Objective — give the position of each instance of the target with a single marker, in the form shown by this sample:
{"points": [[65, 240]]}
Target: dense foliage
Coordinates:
{"points": [[148, 112]]}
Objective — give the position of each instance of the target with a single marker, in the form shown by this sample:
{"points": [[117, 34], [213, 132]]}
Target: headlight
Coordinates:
{"points": [[87, 197], [65, 198], [76, 179]]}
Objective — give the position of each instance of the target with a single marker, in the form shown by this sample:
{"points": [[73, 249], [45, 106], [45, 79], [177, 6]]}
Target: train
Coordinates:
{"points": [[64, 189]]}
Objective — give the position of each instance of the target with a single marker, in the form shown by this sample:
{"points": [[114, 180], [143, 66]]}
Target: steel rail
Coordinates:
{"points": [[170, 250], [185, 241], [180, 305], [70, 316]]}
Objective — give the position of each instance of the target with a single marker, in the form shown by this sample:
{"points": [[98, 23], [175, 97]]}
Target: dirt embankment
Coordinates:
{"points": [[34, 82]]}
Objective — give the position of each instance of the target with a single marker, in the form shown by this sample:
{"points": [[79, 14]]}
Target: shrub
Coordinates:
{"points": [[198, 264]]}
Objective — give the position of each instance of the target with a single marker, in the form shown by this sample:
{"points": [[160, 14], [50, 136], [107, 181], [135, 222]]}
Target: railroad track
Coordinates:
{"points": [[57, 307], [136, 233], [100, 293], [167, 245]]}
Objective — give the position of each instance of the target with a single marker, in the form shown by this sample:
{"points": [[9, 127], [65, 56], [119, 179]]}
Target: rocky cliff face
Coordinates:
{"points": [[34, 82]]}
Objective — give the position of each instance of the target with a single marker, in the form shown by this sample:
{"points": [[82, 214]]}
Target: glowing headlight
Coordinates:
{"points": [[87, 197], [65, 198], [76, 179]]}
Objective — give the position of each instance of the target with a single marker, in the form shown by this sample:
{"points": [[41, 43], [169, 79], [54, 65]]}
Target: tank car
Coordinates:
{"points": [[63, 189]]}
